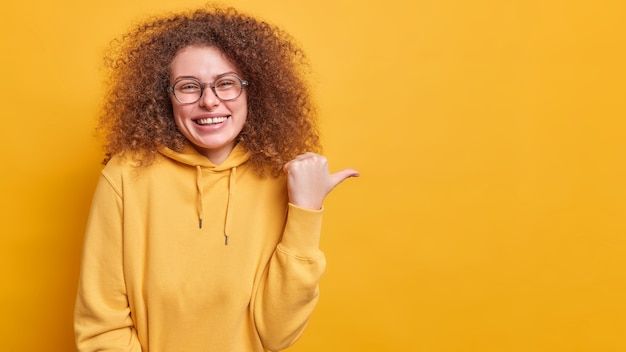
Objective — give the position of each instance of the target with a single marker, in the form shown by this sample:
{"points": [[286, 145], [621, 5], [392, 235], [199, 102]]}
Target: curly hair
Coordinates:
{"points": [[137, 114]]}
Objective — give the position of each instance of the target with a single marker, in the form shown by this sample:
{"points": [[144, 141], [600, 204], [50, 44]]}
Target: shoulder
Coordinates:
{"points": [[127, 167], [120, 164]]}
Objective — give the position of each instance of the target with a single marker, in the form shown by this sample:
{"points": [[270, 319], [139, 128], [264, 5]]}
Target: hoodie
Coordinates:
{"points": [[186, 255]]}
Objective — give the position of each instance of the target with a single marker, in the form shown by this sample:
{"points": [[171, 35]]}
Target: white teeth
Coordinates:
{"points": [[212, 120]]}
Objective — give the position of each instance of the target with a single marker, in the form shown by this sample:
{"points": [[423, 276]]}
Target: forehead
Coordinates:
{"points": [[202, 62]]}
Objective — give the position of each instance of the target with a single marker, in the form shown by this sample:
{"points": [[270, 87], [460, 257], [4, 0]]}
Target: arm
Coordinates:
{"points": [[289, 292], [102, 319]]}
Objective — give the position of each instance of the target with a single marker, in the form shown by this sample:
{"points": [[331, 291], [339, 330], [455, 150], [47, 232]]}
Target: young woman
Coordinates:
{"points": [[205, 224]]}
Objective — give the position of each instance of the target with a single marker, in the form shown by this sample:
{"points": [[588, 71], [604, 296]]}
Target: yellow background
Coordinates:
{"points": [[491, 211]]}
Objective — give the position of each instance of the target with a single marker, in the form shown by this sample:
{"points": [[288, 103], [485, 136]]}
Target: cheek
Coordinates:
{"points": [[243, 107], [180, 113]]}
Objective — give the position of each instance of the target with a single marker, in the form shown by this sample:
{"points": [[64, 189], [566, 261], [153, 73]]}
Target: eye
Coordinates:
{"points": [[225, 83], [187, 86]]}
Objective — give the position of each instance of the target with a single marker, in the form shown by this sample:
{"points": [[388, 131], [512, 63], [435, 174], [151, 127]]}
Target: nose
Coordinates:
{"points": [[208, 98]]}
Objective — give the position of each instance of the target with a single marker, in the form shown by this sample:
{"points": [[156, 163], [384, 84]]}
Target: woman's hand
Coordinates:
{"points": [[309, 182]]}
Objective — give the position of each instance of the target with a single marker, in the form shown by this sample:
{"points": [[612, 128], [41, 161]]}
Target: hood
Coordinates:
{"points": [[190, 156]]}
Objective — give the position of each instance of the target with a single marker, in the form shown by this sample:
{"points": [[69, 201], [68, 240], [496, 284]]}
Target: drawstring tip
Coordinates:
{"points": [[226, 241], [200, 222]]}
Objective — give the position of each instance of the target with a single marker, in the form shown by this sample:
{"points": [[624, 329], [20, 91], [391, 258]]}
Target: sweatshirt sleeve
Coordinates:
{"points": [[102, 320], [289, 292]]}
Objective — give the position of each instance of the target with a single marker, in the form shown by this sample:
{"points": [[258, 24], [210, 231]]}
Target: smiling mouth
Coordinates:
{"points": [[211, 120]]}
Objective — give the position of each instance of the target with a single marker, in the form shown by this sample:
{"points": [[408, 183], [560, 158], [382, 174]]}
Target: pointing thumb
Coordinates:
{"points": [[340, 176]]}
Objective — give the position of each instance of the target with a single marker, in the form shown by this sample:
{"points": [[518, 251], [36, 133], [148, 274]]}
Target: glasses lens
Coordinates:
{"points": [[187, 91], [228, 88]]}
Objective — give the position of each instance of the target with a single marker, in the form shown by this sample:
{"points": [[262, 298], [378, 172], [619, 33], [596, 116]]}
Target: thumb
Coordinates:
{"points": [[340, 176]]}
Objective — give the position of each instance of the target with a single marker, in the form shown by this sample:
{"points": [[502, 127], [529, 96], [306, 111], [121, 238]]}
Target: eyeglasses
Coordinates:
{"points": [[190, 90]]}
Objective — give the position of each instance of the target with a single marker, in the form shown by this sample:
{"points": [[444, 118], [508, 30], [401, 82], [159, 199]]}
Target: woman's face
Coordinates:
{"points": [[210, 124]]}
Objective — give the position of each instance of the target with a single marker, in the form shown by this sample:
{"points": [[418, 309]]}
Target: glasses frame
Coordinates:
{"points": [[203, 86]]}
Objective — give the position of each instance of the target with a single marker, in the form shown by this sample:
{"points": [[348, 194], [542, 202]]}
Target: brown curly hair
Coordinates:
{"points": [[137, 112]]}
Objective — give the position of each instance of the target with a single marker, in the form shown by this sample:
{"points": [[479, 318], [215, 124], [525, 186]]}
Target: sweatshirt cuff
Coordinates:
{"points": [[302, 232]]}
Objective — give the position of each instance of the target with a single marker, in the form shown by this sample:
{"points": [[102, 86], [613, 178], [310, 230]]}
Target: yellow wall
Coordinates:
{"points": [[491, 211]]}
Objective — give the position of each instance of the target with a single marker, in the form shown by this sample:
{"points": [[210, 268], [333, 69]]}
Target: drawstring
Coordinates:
{"points": [[231, 193], [199, 185]]}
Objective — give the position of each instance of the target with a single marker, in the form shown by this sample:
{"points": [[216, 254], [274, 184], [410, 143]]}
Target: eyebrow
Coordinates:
{"points": [[229, 73]]}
